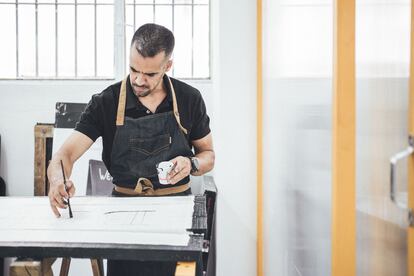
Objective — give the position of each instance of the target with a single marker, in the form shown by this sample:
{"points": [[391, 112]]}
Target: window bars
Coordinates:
{"points": [[75, 39]]}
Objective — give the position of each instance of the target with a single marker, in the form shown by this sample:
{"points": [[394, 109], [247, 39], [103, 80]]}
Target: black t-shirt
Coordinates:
{"points": [[99, 117]]}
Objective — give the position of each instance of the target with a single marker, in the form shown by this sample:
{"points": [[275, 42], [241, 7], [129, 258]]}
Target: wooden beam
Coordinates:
{"points": [[47, 266], [23, 268], [42, 133], [259, 137], [97, 267], [185, 269], [64, 267], [343, 169], [410, 184]]}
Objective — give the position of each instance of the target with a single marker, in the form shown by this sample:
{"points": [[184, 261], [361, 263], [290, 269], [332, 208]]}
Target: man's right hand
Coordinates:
{"points": [[69, 152], [58, 195]]}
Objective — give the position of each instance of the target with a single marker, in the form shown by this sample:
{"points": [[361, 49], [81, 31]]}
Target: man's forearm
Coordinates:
{"points": [[54, 170], [206, 162]]}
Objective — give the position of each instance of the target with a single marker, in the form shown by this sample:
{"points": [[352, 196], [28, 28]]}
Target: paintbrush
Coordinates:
{"points": [[66, 188]]}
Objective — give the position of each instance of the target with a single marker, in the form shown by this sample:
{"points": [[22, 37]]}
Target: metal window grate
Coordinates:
{"points": [[192, 50], [48, 39], [50, 43]]}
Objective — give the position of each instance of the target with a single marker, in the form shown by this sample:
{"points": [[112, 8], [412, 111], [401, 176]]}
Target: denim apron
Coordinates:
{"points": [[139, 144]]}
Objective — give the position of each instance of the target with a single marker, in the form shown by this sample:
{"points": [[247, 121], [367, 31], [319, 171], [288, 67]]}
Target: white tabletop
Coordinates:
{"points": [[143, 220]]}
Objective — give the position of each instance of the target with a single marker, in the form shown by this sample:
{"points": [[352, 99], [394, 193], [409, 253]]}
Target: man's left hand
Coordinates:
{"points": [[182, 168]]}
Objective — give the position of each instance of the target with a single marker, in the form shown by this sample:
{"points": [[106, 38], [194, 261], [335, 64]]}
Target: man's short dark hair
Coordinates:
{"points": [[151, 39]]}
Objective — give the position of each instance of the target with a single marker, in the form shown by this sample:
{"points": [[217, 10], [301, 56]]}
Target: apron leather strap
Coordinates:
{"points": [[122, 100], [144, 187], [175, 107], [120, 115]]}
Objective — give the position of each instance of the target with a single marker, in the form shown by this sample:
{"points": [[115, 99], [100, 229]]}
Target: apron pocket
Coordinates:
{"points": [[150, 146]]}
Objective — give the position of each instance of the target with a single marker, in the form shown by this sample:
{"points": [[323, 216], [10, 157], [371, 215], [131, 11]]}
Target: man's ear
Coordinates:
{"points": [[168, 65]]}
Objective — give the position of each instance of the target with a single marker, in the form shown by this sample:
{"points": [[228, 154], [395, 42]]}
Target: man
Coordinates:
{"points": [[143, 120]]}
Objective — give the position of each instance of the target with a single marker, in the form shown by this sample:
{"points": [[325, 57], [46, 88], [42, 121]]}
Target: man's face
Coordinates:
{"points": [[146, 73]]}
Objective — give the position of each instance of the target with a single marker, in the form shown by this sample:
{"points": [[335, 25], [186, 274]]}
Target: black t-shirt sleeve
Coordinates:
{"points": [[201, 121], [90, 122]]}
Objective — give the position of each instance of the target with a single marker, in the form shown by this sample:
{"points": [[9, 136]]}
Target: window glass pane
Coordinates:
{"points": [[66, 41], [163, 16], [65, 1], [382, 94], [305, 2], [163, 1], [129, 16], [8, 46], [143, 14], [105, 40], [383, 39], [47, 55], [201, 53], [27, 41], [86, 41], [46, 1], [297, 43], [143, 1], [129, 32], [85, 1], [203, 2], [301, 40], [183, 48], [105, 2], [183, 2]]}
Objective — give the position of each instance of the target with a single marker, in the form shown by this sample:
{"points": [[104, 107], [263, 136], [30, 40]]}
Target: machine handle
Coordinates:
{"points": [[394, 160]]}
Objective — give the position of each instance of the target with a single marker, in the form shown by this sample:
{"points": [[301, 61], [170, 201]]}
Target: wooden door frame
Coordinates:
{"points": [[343, 146]]}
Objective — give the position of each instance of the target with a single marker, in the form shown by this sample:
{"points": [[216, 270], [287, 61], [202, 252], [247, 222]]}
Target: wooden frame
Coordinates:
{"points": [[410, 230], [343, 167], [42, 154]]}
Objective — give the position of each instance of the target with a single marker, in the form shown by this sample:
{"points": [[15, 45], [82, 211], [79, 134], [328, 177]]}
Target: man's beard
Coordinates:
{"points": [[143, 93]]}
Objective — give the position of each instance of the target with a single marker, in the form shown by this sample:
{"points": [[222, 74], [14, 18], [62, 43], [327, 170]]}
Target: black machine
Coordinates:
{"points": [[2, 193], [2, 183]]}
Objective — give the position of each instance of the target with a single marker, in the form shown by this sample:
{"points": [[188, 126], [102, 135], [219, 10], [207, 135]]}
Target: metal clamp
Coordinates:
{"points": [[393, 161]]}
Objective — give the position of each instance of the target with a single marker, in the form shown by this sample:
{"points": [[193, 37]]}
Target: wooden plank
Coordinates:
{"points": [[410, 230], [23, 268], [64, 267], [343, 167], [42, 133], [259, 137], [185, 269], [47, 266], [97, 267]]}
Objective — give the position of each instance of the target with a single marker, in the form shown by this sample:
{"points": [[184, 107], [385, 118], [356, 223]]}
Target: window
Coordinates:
{"points": [[190, 22], [57, 39], [75, 39]]}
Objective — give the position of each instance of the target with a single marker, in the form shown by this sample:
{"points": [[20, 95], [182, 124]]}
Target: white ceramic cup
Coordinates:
{"points": [[163, 168]]}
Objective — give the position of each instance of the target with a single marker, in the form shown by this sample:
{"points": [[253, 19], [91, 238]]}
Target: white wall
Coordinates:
{"points": [[230, 98], [235, 112]]}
